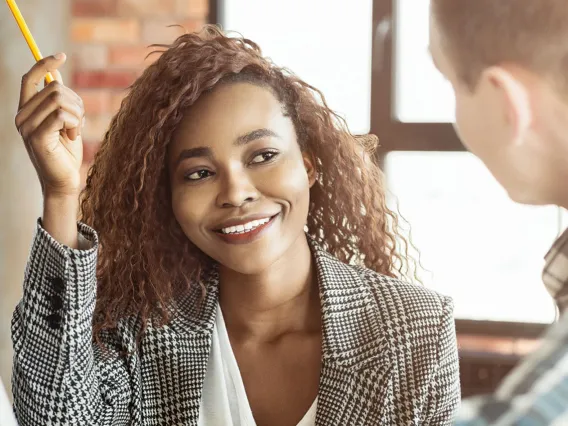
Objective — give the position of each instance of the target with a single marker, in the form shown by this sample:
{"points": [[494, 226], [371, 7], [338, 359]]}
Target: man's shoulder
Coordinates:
{"points": [[535, 392]]}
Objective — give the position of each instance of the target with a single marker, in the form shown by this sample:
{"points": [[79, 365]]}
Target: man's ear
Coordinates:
{"points": [[310, 165], [512, 92]]}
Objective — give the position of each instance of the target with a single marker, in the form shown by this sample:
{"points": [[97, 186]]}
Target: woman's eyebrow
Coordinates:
{"points": [[193, 153], [202, 151], [254, 135]]}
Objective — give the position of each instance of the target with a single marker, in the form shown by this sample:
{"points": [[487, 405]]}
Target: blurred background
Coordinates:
{"points": [[370, 59]]}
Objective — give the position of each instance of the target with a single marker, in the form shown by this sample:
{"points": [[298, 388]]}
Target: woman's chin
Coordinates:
{"points": [[250, 265]]}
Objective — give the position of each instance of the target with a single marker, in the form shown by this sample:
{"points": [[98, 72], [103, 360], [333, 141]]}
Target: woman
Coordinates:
{"points": [[243, 265]]}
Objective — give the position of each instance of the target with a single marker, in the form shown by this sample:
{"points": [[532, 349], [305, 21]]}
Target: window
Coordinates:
{"points": [[422, 95], [327, 43], [476, 244]]}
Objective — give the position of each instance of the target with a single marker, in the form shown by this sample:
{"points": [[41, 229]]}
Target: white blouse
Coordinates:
{"points": [[224, 401], [6, 413]]}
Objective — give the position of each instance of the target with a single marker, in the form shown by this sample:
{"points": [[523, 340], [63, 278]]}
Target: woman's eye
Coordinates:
{"points": [[198, 175], [263, 157]]}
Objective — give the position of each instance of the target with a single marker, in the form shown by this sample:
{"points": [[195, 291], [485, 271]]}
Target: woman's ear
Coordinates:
{"points": [[310, 165]]}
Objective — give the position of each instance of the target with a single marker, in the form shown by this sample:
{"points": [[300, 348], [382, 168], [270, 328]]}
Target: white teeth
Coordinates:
{"points": [[245, 227]]}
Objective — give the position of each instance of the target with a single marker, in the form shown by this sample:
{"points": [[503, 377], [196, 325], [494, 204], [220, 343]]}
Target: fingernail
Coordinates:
{"points": [[59, 56]]}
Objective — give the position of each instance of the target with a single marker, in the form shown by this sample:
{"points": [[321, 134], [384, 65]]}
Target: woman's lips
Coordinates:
{"points": [[245, 236]]}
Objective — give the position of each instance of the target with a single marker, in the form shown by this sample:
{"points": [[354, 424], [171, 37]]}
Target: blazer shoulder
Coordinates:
{"points": [[408, 298]]}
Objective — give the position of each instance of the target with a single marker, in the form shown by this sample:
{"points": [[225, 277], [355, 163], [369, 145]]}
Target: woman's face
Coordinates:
{"points": [[240, 183]]}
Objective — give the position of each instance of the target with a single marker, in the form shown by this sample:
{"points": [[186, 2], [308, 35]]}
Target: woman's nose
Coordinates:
{"points": [[236, 189]]}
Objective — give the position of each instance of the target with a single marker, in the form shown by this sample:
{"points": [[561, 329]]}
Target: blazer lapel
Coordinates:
{"points": [[182, 350], [355, 382], [355, 378]]}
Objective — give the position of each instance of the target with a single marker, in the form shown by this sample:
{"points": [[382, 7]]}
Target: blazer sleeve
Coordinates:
{"points": [[445, 390], [57, 373]]}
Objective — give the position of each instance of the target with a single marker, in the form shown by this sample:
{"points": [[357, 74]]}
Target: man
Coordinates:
{"points": [[507, 61]]}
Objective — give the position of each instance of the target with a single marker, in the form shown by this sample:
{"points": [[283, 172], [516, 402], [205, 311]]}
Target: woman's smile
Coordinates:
{"points": [[246, 230]]}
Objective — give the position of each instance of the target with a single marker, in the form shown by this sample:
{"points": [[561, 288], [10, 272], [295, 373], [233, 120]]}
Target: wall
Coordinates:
{"points": [[106, 41], [110, 39], [20, 194]]}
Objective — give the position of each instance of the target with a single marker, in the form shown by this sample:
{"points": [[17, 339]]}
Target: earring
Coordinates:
{"points": [[306, 228]]}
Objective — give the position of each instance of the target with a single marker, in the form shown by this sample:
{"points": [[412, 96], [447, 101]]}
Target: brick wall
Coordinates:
{"points": [[109, 40]]}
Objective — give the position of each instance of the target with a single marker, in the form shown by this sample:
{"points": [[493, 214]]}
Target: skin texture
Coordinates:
{"points": [[515, 121]]}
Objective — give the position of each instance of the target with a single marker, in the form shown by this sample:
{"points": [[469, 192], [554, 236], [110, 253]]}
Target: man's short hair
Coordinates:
{"points": [[477, 34]]}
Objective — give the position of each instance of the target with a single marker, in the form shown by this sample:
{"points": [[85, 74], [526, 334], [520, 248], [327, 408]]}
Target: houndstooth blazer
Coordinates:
{"points": [[389, 353]]}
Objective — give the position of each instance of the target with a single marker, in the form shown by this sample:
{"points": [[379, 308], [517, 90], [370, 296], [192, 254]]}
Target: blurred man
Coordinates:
{"points": [[507, 61]]}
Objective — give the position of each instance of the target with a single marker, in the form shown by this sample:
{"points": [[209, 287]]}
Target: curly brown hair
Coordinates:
{"points": [[145, 259]]}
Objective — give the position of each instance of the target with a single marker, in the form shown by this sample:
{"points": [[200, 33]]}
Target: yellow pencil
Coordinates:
{"points": [[27, 34]]}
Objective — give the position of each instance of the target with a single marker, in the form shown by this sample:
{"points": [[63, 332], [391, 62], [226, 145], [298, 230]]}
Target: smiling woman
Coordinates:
{"points": [[242, 164], [244, 269]]}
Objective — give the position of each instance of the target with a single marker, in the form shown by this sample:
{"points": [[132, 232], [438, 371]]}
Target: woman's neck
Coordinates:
{"points": [[282, 299]]}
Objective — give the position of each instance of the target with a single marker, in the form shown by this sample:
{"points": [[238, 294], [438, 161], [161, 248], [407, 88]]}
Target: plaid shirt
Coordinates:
{"points": [[536, 391]]}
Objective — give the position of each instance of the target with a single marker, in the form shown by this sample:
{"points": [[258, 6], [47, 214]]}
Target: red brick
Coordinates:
{"points": [[105, 30], [166, 31], [140, 72], [93, 7], [96, 101], [131, 56], [115, 100], [146, 7], [90, 56], [103, 79], [95, 127], [193, 25], [192, 8], [90, 149]]}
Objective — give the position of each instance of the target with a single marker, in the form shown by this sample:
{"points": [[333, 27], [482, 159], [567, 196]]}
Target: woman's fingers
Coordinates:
{"points": [[44, 119], [37, 110], [42, 136], [61, 95], [33, 78]]}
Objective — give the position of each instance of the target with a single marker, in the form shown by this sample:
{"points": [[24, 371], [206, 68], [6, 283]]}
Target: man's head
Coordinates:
{"points": [[507, 61]]}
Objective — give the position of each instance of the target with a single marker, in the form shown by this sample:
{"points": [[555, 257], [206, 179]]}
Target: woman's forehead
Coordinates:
{"points": [[232, 110]]}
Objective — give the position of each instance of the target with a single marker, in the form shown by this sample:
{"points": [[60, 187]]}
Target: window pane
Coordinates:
{"points": [[421, 94], [325, 42], [481, 248]]}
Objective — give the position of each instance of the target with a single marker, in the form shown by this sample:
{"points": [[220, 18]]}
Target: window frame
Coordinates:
{"points": [[398, 136], [214, 16], [394, 135]]}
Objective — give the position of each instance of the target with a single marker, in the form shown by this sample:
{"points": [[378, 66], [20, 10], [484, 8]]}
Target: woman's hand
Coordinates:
{"points": [[50, 122]]}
